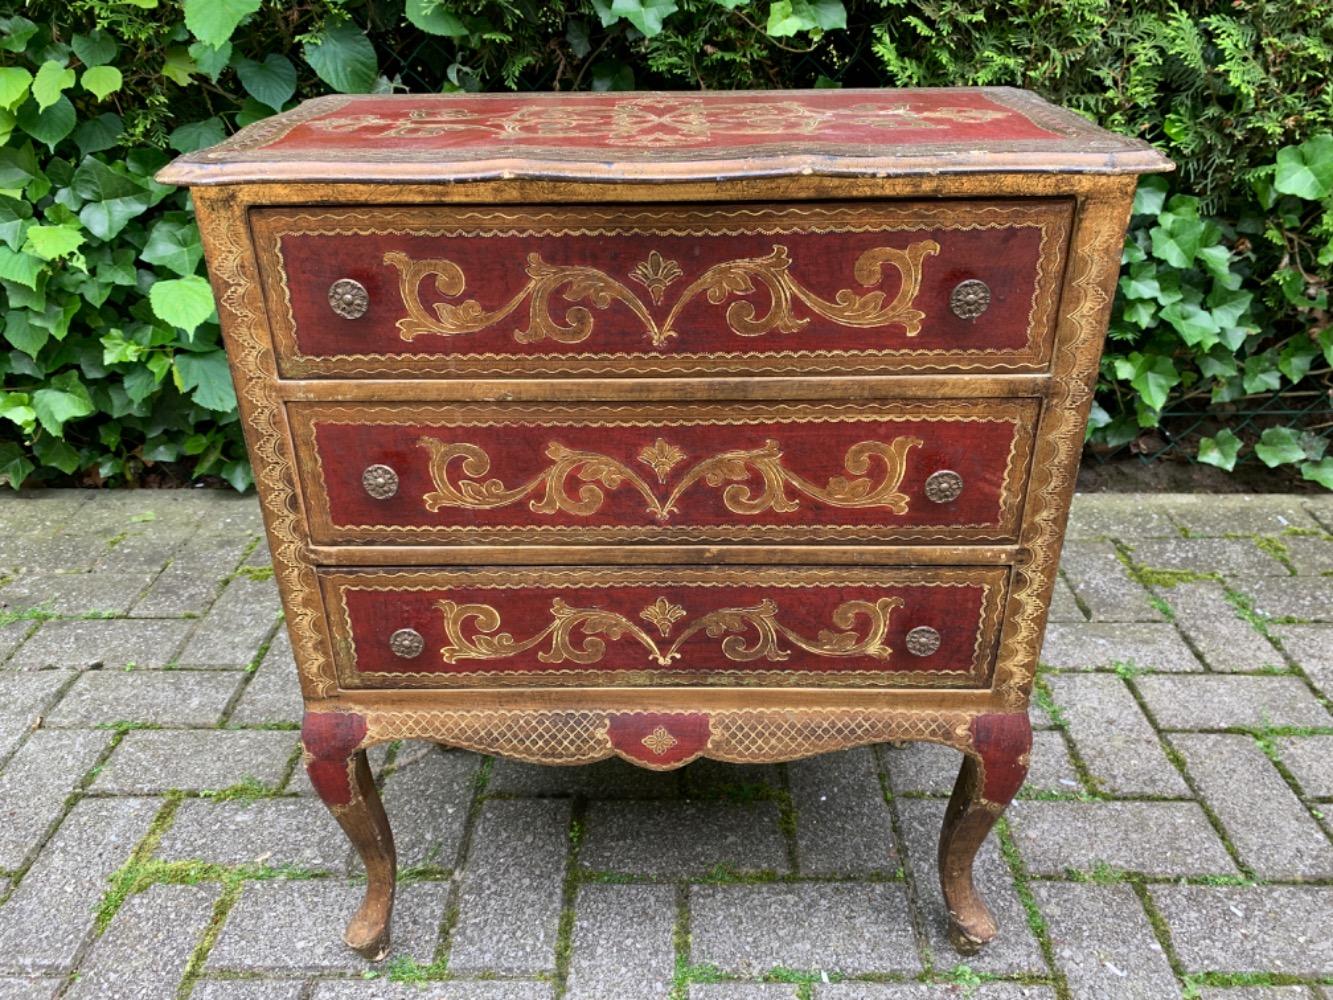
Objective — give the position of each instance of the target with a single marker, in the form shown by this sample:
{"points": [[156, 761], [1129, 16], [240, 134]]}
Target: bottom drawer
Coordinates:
{"points": [[665, 626]]}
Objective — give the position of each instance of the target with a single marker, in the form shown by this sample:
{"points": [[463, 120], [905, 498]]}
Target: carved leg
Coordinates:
{"points": [[341, 775], [990, 777]]}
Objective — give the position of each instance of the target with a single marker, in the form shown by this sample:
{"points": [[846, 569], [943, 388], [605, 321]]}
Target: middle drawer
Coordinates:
{"points": [[949, 470]]}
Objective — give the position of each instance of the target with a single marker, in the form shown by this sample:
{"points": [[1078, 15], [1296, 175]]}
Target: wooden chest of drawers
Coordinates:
{"points": [[740, 426]]}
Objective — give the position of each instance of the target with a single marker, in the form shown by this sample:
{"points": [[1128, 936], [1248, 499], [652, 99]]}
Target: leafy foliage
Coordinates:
{"points": [[112, 361]]}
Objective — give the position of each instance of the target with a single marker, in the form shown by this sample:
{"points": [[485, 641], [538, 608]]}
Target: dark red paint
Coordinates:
{"points": [[689, 731], [1001, 739], [330, 738]]}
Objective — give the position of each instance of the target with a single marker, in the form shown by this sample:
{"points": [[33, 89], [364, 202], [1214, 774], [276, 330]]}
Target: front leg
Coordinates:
{"points": [[341, 776], [992, 772]]}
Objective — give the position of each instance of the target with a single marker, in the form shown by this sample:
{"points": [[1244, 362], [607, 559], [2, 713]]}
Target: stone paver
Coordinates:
{"points": [[108, 593], [248, 989], [923, 991], [628, 837], [1272, 832], [195, 575], [1309, 598], [1229, 556], [742, 991], [29, 987], [151, 761], [12, 634], [843, 824], [112, 644], [1275, 929], [475, 990], [1307, 757], [514, 876], [1103, 585], [165, 697], [1153, 838], [1215, 628], [932, 769], [148, 945], [1064, 608], [1104, 944], [61, 889], [1118, 745], [428, 797], [36, 783], [296, 832], [274, 692], [622, 942], [1311, 646], [1310, 556], [1215, 701], [607, 779], [235, 628], [1092, 645], [24, 698], [831, 927], [1210, 514], [1122, 516], [296, 926]]}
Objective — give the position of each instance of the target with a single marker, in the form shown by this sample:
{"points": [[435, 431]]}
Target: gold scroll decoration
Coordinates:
{"points": [[592, 474], [580, 635], [730, 279]]}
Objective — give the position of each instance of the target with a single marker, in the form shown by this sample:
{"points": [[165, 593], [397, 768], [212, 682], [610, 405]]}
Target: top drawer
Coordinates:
{"points": [[524, 291]]}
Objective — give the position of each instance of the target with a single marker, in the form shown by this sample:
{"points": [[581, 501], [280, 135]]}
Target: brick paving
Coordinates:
{"points": [[158, 838]]}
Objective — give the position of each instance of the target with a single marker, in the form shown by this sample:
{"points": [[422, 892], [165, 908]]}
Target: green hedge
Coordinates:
{"points": [[112, 359]]}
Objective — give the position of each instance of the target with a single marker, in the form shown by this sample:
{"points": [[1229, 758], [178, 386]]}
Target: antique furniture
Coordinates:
{"points": [[730, 425]]}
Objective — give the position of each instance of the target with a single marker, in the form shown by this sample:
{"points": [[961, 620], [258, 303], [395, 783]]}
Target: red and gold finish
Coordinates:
{"points": [[738, 426]]}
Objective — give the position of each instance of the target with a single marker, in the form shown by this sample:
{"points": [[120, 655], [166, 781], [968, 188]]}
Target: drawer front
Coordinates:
{"points": [[872, 470], [845, 627], [787, 289]]}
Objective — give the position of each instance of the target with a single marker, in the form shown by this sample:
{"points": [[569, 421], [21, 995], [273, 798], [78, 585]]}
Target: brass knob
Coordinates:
{"points": [[348, 298], [407, 643], [969, 299], [944, 486], [380, 481], [922, 641]]}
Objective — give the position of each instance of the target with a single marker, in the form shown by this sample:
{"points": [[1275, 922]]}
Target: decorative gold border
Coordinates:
{"points": [[1021, 412], [1050, 216], [336, 583]]}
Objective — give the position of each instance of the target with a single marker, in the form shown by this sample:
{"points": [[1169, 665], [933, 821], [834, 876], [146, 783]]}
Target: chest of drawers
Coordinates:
{"points": [[723, 425]]}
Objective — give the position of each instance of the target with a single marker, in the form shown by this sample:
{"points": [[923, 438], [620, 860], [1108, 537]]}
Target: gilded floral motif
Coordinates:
{"points": [[659, 741], [663, 614], [655, 274], [661, 457]]}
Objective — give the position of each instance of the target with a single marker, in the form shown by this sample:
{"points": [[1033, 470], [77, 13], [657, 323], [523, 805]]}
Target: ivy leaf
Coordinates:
{"points": [[14, 465], [14, 216], [344, 59], [179, 66], [18, 166], [101, 81], [213, 21], [48, 126], [610, 74], [15, 32], [1177, 239], [197, 135], [14, 84], [98, 134], [427, 15], [113, 196], [1229, 306], [207, 378], [95, 49], [272, 82], [174, 245], [1297, 358], [16, 407], [1279, 446], [646, 15], [182, 302], [209, 60], [1320, 472], [1305, 170], [64, 398], [789, 17], [20, 332], [1150, 195], [56, 453], [1152, 375], [53, 242], [21, 268], [51, 81], [1220, 451], [1196, 325]]}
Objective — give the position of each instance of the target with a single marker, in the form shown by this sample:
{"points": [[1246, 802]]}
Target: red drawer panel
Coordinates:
{"points": [[632, 627]]}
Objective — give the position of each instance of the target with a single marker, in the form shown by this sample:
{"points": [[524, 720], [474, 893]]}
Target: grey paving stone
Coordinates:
{"points": [[1017, 951], [1309, 598], [1217, 631], [1257, 993], [113, 644], [156, 761], [143, 546], [1103, 584], [931, 991], [1273, 929], [1269, 827], [427, 798], [514, 877], [61, 889], [1311, 646], [75, 593], [1217, 701], [274, 692], [742, 991], [35, 785], [1231, 557], [509, 989], [843, 824], [1124, 516], [1063, 606], [193, 580], [41, 510], [299, 782], [834, 927], [296, 926], [239, 623], [1213, 514], [1310, 556], [1103, 943], [299, 832], [24, 699], [608, 779], [628, 837], [623, 942], [12, 635], [165, 697], [931, 769], [29, 987], [1152, 838], [1104, 644], [144, 952], [1121, 750], [716, 779], [1307, 758], [248, 989]]}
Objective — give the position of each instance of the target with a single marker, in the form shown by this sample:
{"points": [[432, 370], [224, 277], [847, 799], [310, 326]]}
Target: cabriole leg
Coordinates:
{"points": [[341, 776], [992, 772]]}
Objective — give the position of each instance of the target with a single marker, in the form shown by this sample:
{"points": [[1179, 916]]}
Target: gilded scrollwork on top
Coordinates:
{"points": [[736, 471], [734, 279]]}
